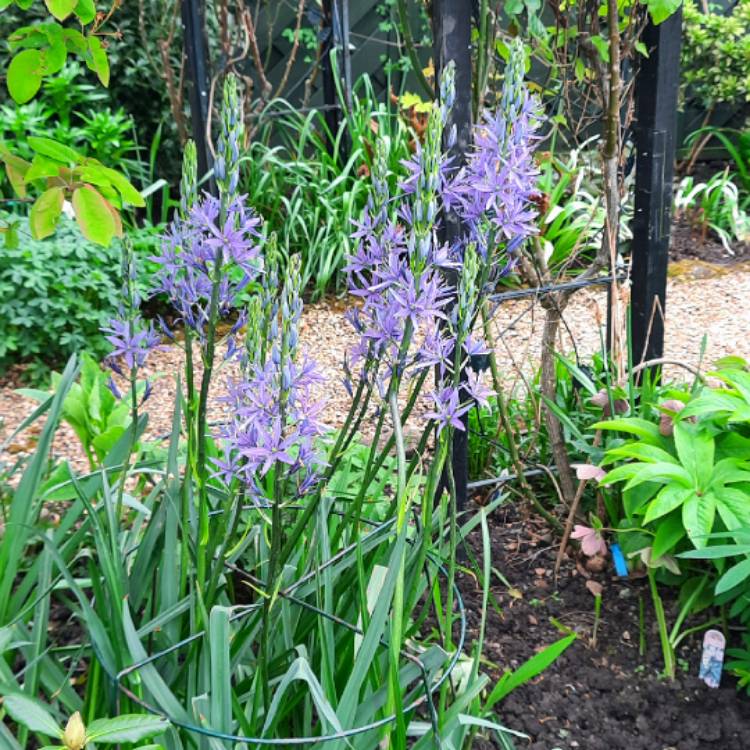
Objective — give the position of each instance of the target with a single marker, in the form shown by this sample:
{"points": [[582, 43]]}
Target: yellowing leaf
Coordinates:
{"points": [[98, 221], [45, 213]]}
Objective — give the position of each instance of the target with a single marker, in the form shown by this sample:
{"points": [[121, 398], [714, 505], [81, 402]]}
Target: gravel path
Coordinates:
{"points": [[701, 300]]}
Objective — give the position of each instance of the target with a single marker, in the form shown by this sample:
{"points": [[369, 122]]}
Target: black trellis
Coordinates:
{"points": [[656, 118]]}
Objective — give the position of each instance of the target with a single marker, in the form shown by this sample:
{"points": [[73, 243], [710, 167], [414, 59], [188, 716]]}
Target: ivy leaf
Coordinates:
{"points": [[98, 221], [45, 213], [60, 9], [25, 75], [85, 11], [661, 10], [53, 150], [99, 62]]}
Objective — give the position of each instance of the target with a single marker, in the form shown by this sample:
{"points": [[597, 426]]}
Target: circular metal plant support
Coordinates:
{"points": [[288, 593]]}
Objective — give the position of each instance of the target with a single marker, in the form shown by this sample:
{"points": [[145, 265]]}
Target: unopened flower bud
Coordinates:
{"points": [[74, 737]]}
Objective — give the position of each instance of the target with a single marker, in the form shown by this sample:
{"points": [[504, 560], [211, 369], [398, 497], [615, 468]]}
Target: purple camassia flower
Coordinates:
{"points": [[188, 256], [133, 340], [275, 421], [395, 297], [499, 178], [448, 408]]}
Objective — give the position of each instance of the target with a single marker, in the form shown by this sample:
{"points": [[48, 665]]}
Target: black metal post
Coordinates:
{"points": [[656, 124], [193, 24], [451, 23], [330, 113]]}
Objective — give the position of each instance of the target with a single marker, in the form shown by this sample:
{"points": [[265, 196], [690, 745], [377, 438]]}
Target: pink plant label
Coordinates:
{"points": [[712, 659]]}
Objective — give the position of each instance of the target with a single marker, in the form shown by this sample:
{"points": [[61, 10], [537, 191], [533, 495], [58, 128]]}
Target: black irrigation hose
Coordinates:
{"points": [[539, 291], [426, 698]]}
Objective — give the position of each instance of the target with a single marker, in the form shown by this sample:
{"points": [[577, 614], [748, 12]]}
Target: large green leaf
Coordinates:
{"points": [[695, 449], [659, 472], [25, 74], [53, 150], [219, 641], [642, 452], [698, 514], [633, 426], [31, 714], [125, 728], [669, 498], [60, 9], [85, 11], [668, 532], [661, 10], [99, 62], [734, 507]]}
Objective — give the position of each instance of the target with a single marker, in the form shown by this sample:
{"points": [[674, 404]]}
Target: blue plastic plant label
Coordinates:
{"points": [[712, 659], [621, 565]]}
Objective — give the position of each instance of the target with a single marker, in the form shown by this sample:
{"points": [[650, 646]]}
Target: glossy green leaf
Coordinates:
{"points": [[60, 9], [25, 74], [99, 61], [41, 168], [124, 188], [85, 11], [698, 518], [669, 531], [661, 10], [660, 472], [695, 449], [53, 150], [668, 499], [633, 426]]}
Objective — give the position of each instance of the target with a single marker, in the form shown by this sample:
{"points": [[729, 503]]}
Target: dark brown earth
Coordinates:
{"points": [[605, 697], [691, 241]]}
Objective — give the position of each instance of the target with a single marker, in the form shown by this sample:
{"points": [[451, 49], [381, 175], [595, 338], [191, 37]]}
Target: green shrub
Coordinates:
{"points": [[716, 56], [54, 296]]}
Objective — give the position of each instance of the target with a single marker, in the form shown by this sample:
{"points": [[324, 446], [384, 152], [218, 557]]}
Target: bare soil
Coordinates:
{"points": [[594, 697]]}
